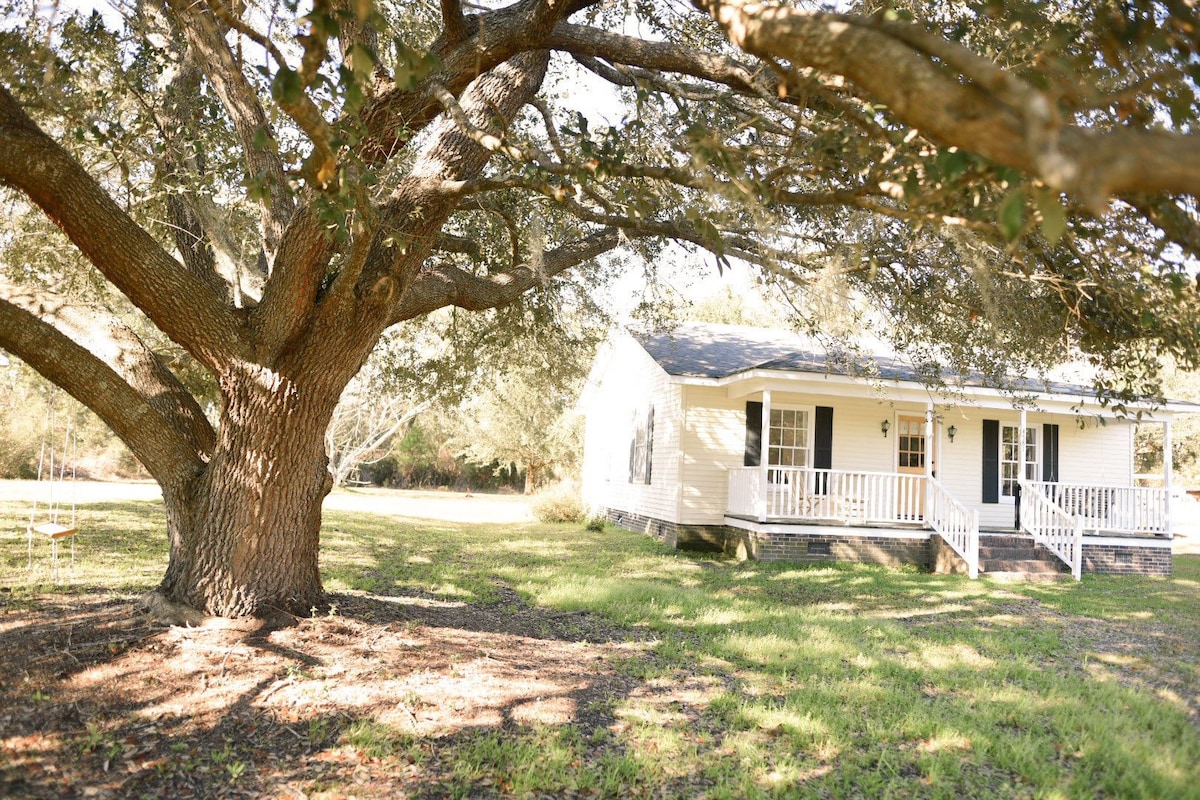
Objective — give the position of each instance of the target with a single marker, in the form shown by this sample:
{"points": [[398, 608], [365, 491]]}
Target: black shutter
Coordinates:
{"points": [[991, 461], [823, 445], [823, 438], [1050, 453], [753, 456]]}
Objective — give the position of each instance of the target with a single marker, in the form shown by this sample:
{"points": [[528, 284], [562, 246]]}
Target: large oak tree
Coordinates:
{"points": [[257, 193]]}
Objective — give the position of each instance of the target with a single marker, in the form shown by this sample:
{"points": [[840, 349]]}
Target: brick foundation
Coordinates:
{"points": [[672, 534], [1118, 559], [821, 546], [943, 560]]}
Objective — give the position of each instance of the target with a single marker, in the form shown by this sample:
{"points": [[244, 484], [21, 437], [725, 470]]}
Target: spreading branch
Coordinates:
{"points": [[955, 98], [181, 304]]}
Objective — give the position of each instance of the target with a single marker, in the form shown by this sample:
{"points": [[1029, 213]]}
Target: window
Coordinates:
{"points": [[641, 446], [911, 443], [1010, 458], [788, 445]]}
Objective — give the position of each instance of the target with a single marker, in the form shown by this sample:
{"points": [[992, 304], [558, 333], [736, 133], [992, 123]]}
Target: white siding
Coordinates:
{"points": [[624, 380], [714, 439]]}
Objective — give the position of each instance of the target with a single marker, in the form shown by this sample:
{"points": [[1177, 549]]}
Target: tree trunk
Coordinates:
{"points": [[244, 537]]}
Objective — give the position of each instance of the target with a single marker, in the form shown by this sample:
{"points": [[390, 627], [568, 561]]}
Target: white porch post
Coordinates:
{"points": [[927, 506], [1168, 469], [1022, 445], [1021, 473], [764, 456]]}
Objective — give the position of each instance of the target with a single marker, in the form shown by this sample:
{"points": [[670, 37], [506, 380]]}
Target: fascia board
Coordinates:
{"points": [[743, 384]]}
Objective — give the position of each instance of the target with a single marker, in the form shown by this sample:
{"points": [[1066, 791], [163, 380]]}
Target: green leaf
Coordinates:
{"points": [[1012, 214], [1182, 108], [1054, 216], [953, 164], [362, 60], [286, 88]]}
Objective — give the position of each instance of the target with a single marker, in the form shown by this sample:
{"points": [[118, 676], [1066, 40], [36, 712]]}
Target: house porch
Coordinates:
{"points": [[814, 515]]}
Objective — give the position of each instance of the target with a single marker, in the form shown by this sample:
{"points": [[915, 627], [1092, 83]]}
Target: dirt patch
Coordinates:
{"points": [[99, 701]]}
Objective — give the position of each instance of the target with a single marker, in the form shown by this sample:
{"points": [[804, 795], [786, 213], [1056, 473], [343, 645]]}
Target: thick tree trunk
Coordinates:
{"points": [[245, 536]]}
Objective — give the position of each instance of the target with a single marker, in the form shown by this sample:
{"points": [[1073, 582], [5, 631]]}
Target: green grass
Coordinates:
{"points": [[843, 681]]}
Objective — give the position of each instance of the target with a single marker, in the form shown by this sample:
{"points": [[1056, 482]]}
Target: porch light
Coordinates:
{"points": [[885, 426], [953, 430]]}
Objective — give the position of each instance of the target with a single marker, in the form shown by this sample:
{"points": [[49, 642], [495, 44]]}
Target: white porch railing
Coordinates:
{"points": [[827, 494], [957, 524], [1051, 525], [1110, 509]]}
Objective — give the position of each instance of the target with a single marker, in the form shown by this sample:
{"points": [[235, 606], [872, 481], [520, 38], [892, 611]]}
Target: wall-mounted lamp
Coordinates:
{"points": [[952, 431], [885, 426]]}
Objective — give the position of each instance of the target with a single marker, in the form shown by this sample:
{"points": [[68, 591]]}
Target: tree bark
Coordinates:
{"points": [[245, 536]]}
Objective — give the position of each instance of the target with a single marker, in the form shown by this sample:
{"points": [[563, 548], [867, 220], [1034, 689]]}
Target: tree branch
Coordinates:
{"points": [[446, 284], [178, 302], [975, 115], [320, 167], [454, 21], [162, 448], [491, 39], [259, 146]]}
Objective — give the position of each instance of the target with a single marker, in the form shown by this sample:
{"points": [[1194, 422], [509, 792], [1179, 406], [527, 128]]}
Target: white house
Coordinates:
{"points": [[746, 439]]}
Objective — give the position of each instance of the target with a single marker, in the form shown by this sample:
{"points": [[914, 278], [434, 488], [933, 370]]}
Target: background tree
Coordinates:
{"points": [[254, 195]]}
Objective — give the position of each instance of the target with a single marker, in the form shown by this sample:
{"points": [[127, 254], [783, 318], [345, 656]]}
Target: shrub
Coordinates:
{"points": [[560, 504], [596, 524]]}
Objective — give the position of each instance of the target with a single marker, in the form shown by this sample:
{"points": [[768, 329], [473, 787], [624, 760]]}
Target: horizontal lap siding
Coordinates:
{"points": [[629, 379], [714, 440]]}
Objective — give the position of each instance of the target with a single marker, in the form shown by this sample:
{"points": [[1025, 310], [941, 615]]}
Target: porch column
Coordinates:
{"points": [[764, 456], [1168, 469], [929, 439], [1020, 473], [1022, 445], [927, 505]]}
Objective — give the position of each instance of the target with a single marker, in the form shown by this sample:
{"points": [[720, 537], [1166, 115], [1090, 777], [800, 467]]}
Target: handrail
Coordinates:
{"points": [[1050, 525], [1125, 509], [847, 496], [957, 525]]}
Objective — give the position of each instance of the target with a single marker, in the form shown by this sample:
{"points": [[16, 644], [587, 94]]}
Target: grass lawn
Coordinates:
{"points": [[692, 676]]}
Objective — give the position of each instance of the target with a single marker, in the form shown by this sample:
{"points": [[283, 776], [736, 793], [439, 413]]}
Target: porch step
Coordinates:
{"points": [[1015, 557], [1027, 577]]}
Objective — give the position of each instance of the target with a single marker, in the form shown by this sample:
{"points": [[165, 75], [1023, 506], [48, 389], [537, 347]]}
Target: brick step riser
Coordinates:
{"points": [[1006, 541], [1027, 567], [1023, 553]]}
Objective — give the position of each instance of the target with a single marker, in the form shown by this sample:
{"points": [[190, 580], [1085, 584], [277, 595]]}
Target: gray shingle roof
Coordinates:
{"points": [[704, 350]]}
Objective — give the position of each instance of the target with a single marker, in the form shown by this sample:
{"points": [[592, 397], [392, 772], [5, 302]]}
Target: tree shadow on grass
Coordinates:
{"points": [[101, 702]]}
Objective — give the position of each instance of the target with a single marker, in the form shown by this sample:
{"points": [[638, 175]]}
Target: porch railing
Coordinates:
{"points": [[956, 524], [1050, 525], [827, 494], [1137, 510]]}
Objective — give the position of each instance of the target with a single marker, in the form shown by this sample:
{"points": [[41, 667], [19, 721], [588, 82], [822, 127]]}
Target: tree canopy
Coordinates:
{"points": [[236, 201]]}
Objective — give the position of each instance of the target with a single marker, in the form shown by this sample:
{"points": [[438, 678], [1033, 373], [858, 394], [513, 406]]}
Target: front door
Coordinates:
{"points": [[911, 452]]}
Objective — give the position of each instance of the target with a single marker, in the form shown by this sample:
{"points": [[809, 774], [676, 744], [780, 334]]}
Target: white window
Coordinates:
{"points": [[1010, 458], [790, 441], [910, 442]]}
